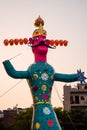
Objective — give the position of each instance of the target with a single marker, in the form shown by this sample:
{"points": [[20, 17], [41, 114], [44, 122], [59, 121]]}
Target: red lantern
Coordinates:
{"points": [[25, 40], [16, 41], [51, 42], [11, 41], [6, 42], [56, 42], [21, 41], [61, 42], [65, 42]]}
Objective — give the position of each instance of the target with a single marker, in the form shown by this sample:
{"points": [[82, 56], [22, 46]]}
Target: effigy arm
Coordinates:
{"points": [[14, 73], [65, 77]]}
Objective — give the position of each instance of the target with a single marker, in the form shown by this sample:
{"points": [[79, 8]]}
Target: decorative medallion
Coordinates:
{"points": [[44, 87], [35, 76], [44, 76], [50, 122], [37, 126], [45, 96], [36, 98], [46, 110], [35, 88]]}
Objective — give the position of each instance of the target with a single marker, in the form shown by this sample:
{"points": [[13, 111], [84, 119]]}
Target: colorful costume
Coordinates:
{"points": [[41, 76]]}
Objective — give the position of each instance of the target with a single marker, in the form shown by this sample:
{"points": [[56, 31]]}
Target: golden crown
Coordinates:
{"points": [[40, 31]]}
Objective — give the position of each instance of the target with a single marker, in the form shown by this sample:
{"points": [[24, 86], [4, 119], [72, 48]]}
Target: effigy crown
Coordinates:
{"points": [[39, 22]]}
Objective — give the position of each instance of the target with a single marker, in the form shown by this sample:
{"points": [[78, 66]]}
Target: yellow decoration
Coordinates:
{"points": [[44, 87], [43, 102], [35, 76], [36, 98], [37, 125], [52, 77]]}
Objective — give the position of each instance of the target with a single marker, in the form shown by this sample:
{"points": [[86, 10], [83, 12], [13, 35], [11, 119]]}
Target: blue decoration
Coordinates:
{"points": [[81, 76]]}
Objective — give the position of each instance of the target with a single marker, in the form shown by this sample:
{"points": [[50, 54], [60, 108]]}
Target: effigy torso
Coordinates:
{"points": [[41, 82]]}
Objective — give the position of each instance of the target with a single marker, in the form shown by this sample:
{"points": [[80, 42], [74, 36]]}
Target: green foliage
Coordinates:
{"points": [[2, 126], [72, 120], [23, 120]]}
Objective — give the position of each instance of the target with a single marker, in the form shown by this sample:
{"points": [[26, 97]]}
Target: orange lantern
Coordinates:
{"points": [[61, 42], [16, 41], [51, 42], [65, 42], [25, 40], [11, 41], [21, 41], [6, 42], [56, 42]]}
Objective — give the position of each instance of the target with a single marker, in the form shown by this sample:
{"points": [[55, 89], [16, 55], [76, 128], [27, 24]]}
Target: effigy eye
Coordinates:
{"points": [[36, 38], [44, 38]]}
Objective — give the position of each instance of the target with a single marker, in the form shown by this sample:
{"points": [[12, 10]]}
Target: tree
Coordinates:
{"points": [[23, 120]]}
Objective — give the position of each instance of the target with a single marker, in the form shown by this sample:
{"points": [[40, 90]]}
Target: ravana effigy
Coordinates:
{"points": [[40, 76]]}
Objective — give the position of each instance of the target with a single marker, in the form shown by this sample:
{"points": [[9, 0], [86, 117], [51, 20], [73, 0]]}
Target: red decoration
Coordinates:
{"points": [[35, 88], [21, 41], [52, 42], [65, 42], [11, 41], [61, 42], [56, 42], [50, 123], [25, 40], [6, 42], [16, 41]]}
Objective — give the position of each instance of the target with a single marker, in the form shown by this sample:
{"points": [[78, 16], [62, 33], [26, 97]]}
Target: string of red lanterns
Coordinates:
{"points": [[22, 41], [58, 42], [15, 41]]}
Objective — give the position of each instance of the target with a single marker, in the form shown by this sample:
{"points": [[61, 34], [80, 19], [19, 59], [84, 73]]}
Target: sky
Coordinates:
{"points": [[64, 19]]}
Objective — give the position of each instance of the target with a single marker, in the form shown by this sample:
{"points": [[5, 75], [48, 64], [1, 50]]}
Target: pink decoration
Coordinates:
{"points": [[45, 96]]}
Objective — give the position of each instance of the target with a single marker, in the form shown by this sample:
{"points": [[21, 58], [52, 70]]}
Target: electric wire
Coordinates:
{"points": [[13, 85], [10, 88], [15, 56]]}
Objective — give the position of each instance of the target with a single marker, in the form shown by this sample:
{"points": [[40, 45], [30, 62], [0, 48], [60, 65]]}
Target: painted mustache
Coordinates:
{"points": [[42, 43]]}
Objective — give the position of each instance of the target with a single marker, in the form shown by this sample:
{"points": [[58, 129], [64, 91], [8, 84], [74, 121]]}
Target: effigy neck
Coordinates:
{"points": [[40, 57]]}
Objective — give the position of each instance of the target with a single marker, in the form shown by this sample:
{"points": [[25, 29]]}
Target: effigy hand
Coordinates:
{"points": [[81, 76]]}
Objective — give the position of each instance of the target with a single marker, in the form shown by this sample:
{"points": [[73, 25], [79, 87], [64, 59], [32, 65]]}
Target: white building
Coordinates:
{"points": [[75, 97]]}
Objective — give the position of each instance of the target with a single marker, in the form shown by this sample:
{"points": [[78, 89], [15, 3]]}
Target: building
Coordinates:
{"points": [[75, 97], [7, 117]]}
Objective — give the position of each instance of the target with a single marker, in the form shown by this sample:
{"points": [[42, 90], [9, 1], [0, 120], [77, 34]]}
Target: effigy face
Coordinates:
{"points": [[38, 44]]}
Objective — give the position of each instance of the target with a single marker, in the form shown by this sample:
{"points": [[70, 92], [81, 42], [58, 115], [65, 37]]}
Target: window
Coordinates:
{"points": [[77, 99], [71, 100], [86, 87], [82, 98]]}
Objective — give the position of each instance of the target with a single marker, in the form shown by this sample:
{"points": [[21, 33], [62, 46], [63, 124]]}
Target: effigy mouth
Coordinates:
{"points": [[42, 43]]}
